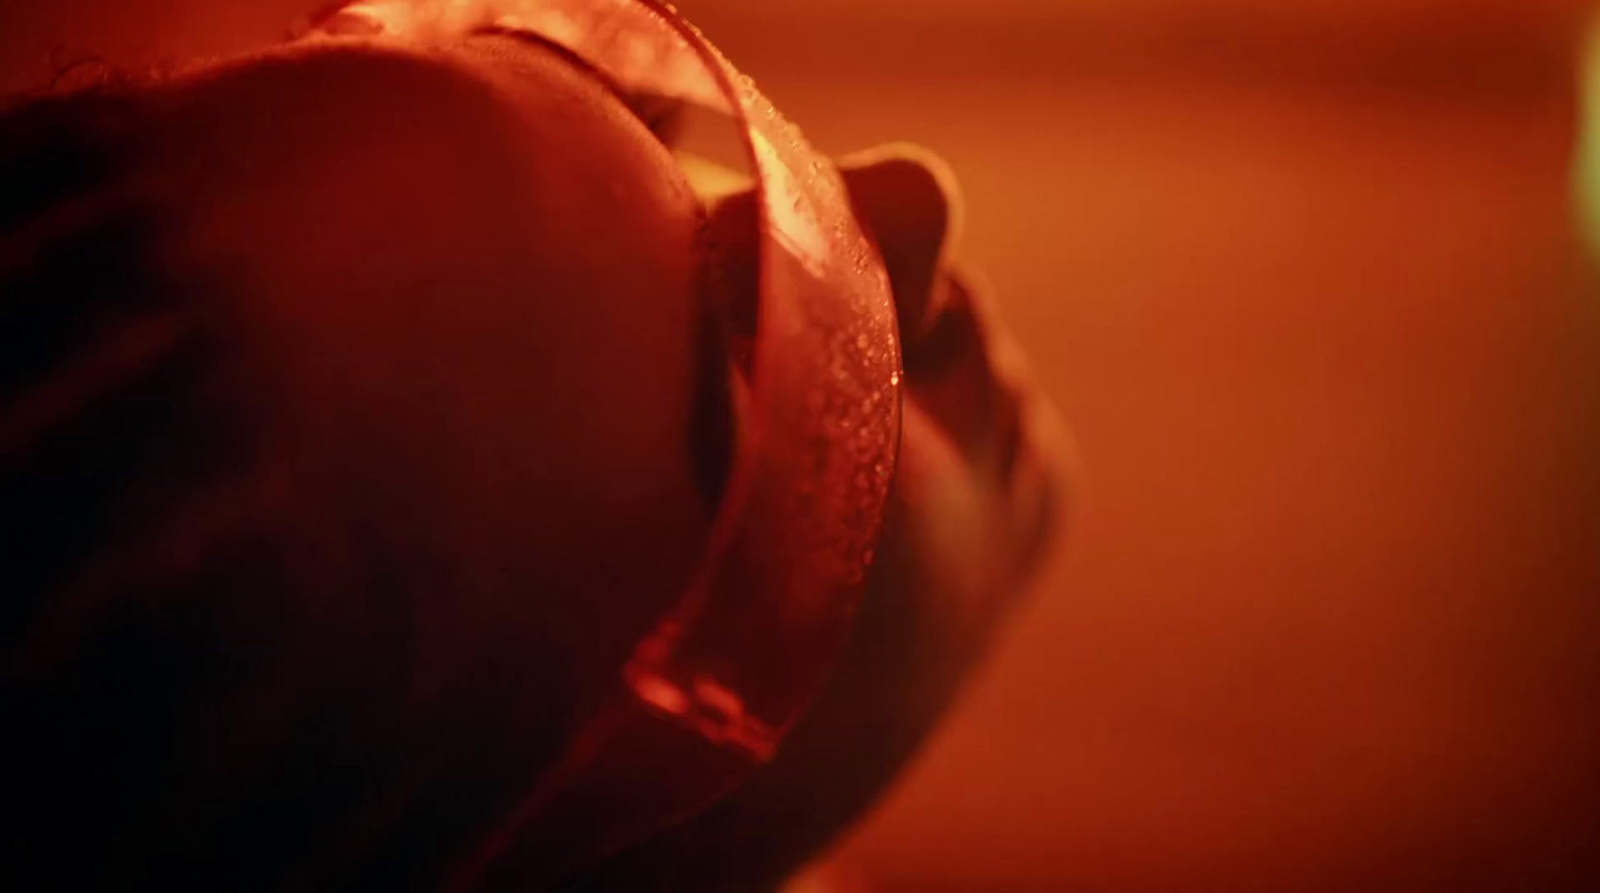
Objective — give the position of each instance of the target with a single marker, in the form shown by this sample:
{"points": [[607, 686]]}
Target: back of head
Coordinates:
{"points": [[333, 384]]}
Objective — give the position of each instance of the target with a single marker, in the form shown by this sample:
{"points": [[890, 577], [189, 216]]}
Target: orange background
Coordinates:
{"points": [[1302, 276]]}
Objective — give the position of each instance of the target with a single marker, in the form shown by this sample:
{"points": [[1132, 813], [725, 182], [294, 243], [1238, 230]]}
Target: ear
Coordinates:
{"points": [[908, 201]]}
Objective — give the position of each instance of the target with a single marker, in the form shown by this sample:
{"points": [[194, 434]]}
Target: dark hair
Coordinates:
{"points": [[112, 435], [181, 702]]}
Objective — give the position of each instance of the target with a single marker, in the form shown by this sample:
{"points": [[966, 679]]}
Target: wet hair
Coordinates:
{"points": [[113, 431], [181, 700]]}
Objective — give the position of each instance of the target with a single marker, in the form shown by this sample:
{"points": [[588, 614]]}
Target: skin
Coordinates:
{"points": [[452, 316]]}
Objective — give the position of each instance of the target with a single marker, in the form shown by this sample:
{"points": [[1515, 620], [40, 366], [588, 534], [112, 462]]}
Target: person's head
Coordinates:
{"points": [[363, 408], [348, 437]]}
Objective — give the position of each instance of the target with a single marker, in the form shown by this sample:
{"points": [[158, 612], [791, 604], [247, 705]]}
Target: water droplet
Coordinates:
{"points": [[661, 694]]}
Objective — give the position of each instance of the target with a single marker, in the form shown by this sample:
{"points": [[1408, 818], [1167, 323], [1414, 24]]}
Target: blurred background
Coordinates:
{"points": [[1307, 278]]}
